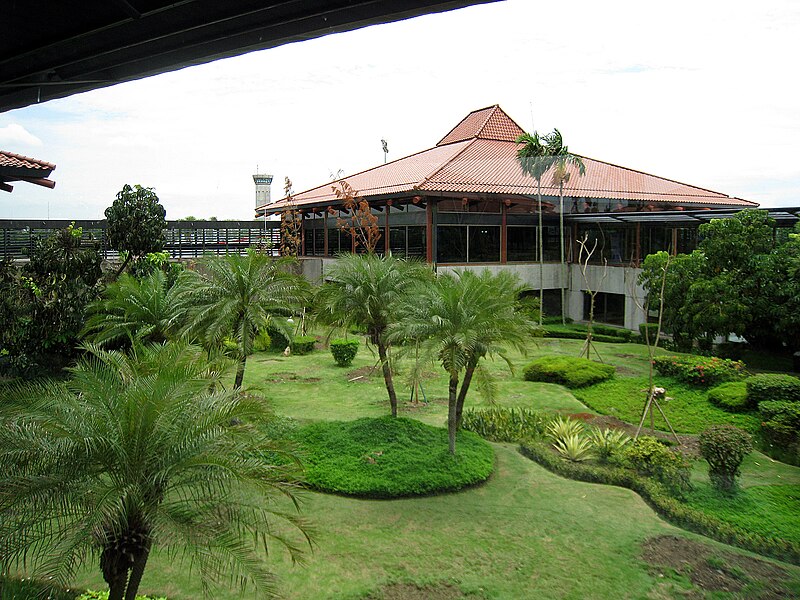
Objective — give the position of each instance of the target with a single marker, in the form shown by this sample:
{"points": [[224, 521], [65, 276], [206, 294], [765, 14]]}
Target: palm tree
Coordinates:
{"points": [[235, 296], [134, 309], [137, 451], [365, 290], [562, 160], [459, 320], [535, 160]]}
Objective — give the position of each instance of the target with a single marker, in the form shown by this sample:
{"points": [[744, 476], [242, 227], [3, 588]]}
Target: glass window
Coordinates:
{"points": [[484, 244], [416, 242], [521, 244], [451, 244], [397, 240], [608, 308], [319, 242]]}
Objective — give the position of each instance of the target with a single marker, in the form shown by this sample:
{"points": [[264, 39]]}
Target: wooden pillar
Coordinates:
{"points": [[302, 234], [429, 233], [352, 237], [325, 234], [386, 245], [638, 257], [674, 241], [503, 232]]}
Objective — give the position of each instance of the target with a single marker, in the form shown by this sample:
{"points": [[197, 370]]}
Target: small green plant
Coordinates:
{"points": [[608, 442], [262, 342], [724, 447], [564, 427], [344, 351], [303, 344], [505, 424], [92, 595], [648, 332], [648, 456], [574, 447], [700, 370], [780, 428], [730, 396], [767, 387], [567, 370]]}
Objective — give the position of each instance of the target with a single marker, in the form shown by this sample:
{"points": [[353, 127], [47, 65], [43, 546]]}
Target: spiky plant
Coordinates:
{"points": [[563, 427], [574, 447], [136, 451], [607, 442]]}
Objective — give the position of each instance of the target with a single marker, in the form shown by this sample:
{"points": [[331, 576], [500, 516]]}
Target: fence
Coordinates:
{"points": [[184, 239]]}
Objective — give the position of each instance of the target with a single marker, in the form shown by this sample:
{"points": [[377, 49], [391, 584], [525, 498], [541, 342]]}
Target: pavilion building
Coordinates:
{"points": [[466, 203]]}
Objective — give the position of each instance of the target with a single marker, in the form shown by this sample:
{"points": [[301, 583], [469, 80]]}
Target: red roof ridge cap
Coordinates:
{"points": [[445, 136]]}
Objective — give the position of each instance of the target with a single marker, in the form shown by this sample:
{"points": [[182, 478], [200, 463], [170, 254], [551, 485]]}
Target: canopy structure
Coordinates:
{"points": [[54, 49], [15, 167]]}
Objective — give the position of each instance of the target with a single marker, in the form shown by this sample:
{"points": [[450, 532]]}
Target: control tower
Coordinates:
{"points": [[263, 189]]}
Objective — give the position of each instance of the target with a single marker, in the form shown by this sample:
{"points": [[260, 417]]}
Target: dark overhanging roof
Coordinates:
{"points": [[16, 167], [783, 215], [51, 49]]}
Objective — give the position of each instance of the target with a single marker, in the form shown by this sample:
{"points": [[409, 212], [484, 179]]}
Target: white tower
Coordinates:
{"points": [[263, 189]]}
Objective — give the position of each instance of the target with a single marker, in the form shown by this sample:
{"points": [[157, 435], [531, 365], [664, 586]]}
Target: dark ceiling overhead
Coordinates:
{"points": [[52, 48]]}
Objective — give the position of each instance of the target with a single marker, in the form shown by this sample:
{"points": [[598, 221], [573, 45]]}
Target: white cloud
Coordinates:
{"points": [[13, 135]]}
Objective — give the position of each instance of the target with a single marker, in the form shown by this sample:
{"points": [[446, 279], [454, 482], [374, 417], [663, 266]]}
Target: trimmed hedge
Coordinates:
{"points": [[390, 457], [768, 387], [567, 370], [702, 371], [730, 396], [780, 429], [344, 351], [648, 331], [303, 344], [663, 503], [600, 333]]}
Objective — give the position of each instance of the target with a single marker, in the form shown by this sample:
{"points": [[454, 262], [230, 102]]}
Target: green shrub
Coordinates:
{"points": [[566, 370], [730, 396], [27, 589], [505, 424], [578, 332], [648, 456], [671, 508], [574, 447], [700, 370], [262, 341], [303, 344], [608, 442], [616, 332], [92, 595], [772, 387], [648, 332], [390, 457], [344, 351], [780, 429], [278, 339], [724, 447], [563, 427]]}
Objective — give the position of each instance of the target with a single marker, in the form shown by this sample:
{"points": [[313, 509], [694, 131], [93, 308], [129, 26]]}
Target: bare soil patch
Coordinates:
{"points": [[363, 374], [713, 570], [410, 591], [294, 377], [690, 446]]}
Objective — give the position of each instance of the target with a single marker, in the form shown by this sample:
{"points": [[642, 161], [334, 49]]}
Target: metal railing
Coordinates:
{"points": [[184, 239]]}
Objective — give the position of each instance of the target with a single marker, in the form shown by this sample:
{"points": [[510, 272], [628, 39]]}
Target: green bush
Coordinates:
{"points": [[730, 396], [648, 331], [608, 443], [566, 370], [262, 341], [303, 344], [700, 370], [578, 332], [504, 424], [616, 332], [671, 508], [390, 457], [19, 589], [773, 387], [344, 351], [648, 456], [278, 339], [780, 429], [724, 447]]}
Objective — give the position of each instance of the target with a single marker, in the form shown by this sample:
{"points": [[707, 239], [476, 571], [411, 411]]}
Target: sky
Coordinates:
{"points": [[702, 92]]}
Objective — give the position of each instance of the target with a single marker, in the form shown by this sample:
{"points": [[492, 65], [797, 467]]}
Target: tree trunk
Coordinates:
{"points": [[115, 572], [462, 394], [137, 571], [387, 376], [240, 372], [541, 255], [124, 264], [451, 412]]}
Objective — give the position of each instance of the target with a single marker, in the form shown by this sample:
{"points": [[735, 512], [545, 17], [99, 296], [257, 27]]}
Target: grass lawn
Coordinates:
{"points": [[688, 409]]}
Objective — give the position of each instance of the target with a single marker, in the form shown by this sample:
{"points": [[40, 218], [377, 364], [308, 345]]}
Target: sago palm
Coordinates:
{"points": [[134, 309], [365, 290], [235, 296], [137, 451], [459, 320]]}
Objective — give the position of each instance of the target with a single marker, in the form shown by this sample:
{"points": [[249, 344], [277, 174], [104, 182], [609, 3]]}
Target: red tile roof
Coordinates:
{"points": [[9, 159], [479, 156]]}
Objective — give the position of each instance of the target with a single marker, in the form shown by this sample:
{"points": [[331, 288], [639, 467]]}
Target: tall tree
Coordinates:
{"points": [[563, 159], [458, 321], [136, 223], [235, 296], [137, 451], [535, 159], [366, 290]]}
